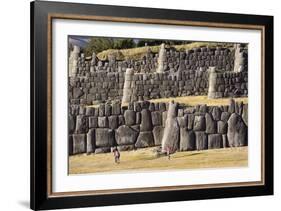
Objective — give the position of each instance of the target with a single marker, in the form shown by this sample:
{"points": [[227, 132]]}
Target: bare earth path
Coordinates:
{"points": [[146, 160]]}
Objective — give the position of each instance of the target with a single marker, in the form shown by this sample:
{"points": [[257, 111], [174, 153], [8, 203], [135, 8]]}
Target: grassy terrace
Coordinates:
{"points": [[138, 53], [199, 100], [145, 160], [195, 100]]}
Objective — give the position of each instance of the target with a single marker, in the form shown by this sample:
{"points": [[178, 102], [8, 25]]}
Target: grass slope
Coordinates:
{"points": [[145, 159]]}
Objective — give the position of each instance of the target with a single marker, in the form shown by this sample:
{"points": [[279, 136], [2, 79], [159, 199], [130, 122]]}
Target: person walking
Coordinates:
{"points": [[116, 154]]}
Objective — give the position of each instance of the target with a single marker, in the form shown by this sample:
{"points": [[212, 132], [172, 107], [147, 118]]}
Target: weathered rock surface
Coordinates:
{"points": [[211, 125], [225, 116], [222, 127], [215, 141], [93, 122], [158, 132], [81, 124], [126, 135], [225, 143], [201, 141], [199, 123], [190, 121], [156, 118], [237, 131], [113, 122], [171, 135], [91, 141], [104, 137], [146, 122], [79, 143], [231, 108], [77, 92], [71, 123], [187, 140], [145, 139], [102, 121], [216, 113], [245, 114], [130, 117], [183, 121]]}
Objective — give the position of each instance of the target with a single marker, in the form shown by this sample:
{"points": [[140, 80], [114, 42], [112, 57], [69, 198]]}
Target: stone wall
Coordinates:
{"points": [[176, 73], [103, 86], [142, 124]]}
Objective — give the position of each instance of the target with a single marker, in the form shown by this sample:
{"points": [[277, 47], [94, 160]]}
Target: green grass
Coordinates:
{"points": [[146, 159]]}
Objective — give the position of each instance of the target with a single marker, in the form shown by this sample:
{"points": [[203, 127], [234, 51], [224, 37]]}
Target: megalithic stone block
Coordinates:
{"points": [[201, 141], [187, 140], [215, 141], [237, 131], [90, 141], [79, 143], [170, 141]]}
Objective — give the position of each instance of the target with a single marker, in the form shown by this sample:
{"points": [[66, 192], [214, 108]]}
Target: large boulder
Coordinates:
{"points": [[126, 135], [158, 132], [130, 117], [79, 143], [201, 141], [104, 137], [156, 118], [237, 131], [222, 127], [113, 122], [215, 141], [211, 125], [187, 140], [93, 122], [225, 116], [171, 134], [116, 108], [91, 141], [81, 124], [216, 113], [145, 139], [102, 121], [146, 122], [199, 123]]}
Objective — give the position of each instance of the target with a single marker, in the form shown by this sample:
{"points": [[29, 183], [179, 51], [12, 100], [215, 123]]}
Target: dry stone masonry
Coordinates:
{"points": [[109, 100], [146, 124], [219, 72]]}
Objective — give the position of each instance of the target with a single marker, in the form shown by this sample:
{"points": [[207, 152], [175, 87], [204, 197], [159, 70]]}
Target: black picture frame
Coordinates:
{"points": [[40, 14]]}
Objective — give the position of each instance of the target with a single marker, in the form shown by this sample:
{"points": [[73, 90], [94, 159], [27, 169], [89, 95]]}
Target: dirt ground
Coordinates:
{"points": [[146, 160]]}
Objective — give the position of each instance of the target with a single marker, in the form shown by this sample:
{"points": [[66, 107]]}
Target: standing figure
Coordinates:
{"points": [[116, 154]]}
